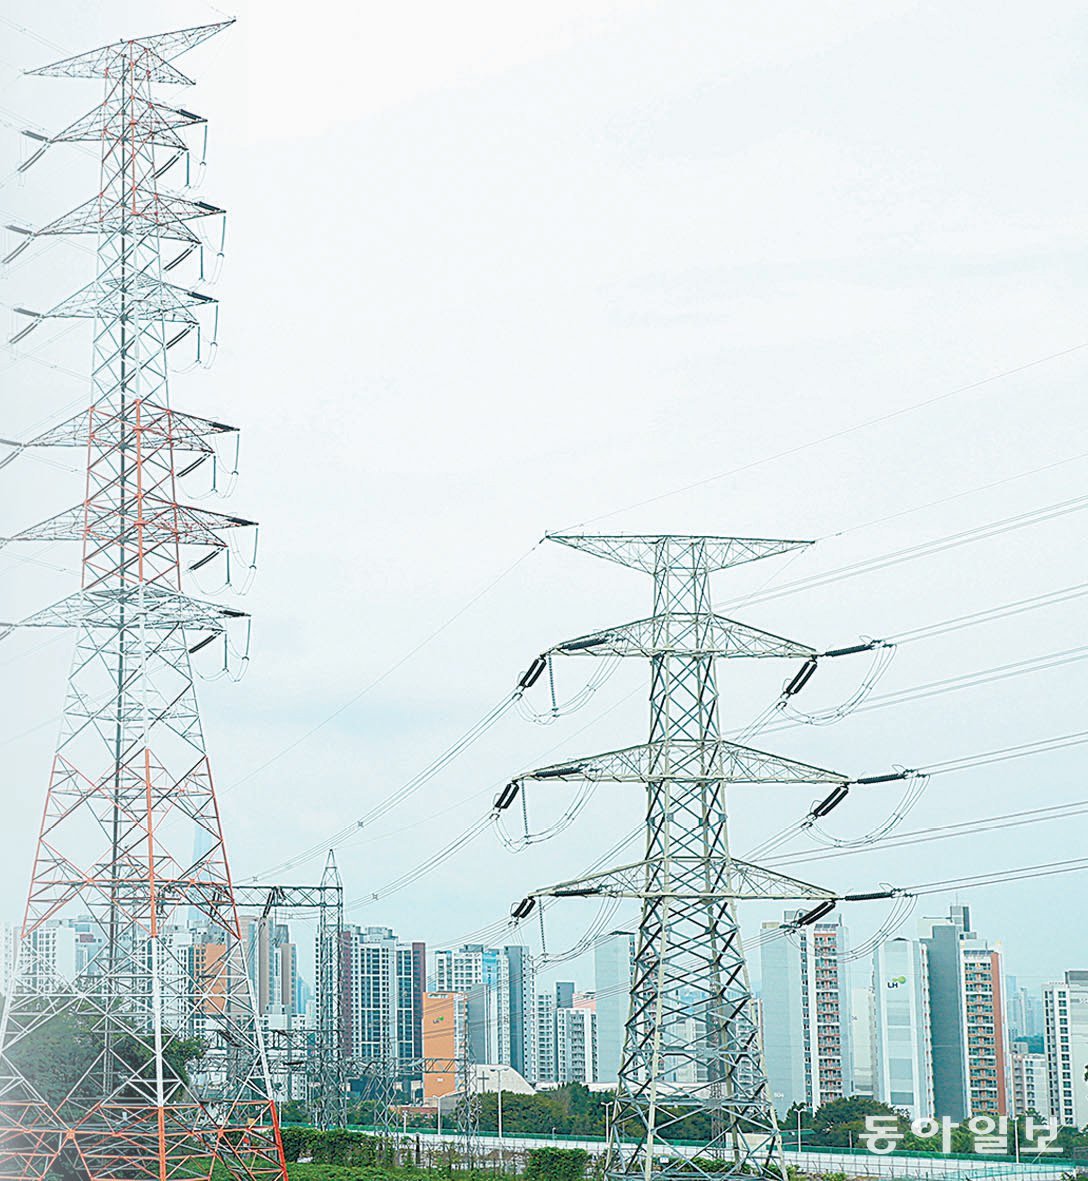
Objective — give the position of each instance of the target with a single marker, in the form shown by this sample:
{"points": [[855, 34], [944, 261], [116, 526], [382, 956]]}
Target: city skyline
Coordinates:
{"points": [[488, 1002]]}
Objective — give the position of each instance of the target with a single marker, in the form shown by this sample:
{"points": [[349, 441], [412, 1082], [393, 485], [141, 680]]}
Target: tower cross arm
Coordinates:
{"points": [[144, 605], [161, 521], [649, 552], [184, 432], [687, 634], [692, 761], [156, 123], [163, 214], [689, 878], [152, 54]]}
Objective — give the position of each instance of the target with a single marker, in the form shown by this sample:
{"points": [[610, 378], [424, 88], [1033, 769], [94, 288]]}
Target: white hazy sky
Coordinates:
{"points": [[495, 268]]}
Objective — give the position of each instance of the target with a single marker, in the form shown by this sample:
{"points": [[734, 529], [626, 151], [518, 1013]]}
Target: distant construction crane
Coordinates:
{"points": [[692, 1065], [150, 1062]]}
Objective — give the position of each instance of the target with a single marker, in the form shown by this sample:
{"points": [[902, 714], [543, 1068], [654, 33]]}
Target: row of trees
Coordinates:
{"points": [[574, 1110], [841, 1124]]}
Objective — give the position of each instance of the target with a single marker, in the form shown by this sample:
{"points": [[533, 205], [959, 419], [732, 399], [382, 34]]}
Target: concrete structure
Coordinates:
{"points": [[1065, 1013], [1025, 1011], [902, 1058], [576, 1045], [444, 1017], [272, 963], [63, 948], [499, 985], [861, 1039], [988, 1082], [967, 1012], [1030, 1082], [806, 1013], [382, 988], [544, 1056], [613, 963]]}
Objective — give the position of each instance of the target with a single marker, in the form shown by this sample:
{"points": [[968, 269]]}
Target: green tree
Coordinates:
{"points": [[60, 1052], [556, 1164]]}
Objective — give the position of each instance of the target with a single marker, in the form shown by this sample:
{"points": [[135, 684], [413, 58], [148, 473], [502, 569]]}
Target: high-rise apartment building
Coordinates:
{"points": [[547, 1068], [861, 1039], [969, 1024], [444, 1041], [576, 1045], [613, 964], [64, 949], [1025, 1011], [382, 984], [272, 963], [806, 1013], [1065, 1015], [499, 984], [546, 1041], [1030, 1082], [988, 1082], [902, 1050]]}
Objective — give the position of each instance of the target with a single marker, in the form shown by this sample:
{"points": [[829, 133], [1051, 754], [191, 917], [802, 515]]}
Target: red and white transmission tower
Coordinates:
{"points": [[148, 1061]]}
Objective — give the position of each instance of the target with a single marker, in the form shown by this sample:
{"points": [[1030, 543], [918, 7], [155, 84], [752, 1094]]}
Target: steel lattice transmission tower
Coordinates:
{"points": [[162, 1071], [692, 1064]]}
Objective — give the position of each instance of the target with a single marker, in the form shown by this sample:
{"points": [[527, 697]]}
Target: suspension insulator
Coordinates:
{"points": [[203, 644], [831, 802], [853, 649], [816, 913], [801, 677], [208, 557], [581, 645], [523, 908], [507, 796], [559, 772], [532, 674]]}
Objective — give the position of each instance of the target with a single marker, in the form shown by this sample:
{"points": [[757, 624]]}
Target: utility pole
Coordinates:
{"points": [[168, 1074], [692, 1064]]}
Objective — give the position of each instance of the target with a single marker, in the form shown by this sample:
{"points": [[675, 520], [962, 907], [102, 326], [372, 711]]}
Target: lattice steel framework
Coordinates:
{"points": [[163, 1072], [692, 1064], [388, 1081], [315, 1053]]}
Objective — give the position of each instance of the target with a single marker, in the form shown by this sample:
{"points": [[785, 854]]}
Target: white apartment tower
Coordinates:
{"points": [[1065, 1017], [902, 1049], [576, 1045], [1030, 1082]]}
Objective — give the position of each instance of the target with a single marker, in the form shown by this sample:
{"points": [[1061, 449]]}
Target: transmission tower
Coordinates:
{"points": [[316, 1053], [163, 1072], [692, 1066]]}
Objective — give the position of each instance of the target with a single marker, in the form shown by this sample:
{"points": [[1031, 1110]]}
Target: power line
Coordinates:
{"points": [[930, 689], [1000, 877], [1004, 611], [433, 635], [949, 541], [828, 438], [917, 692], [970, 680], [979, 759]]}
